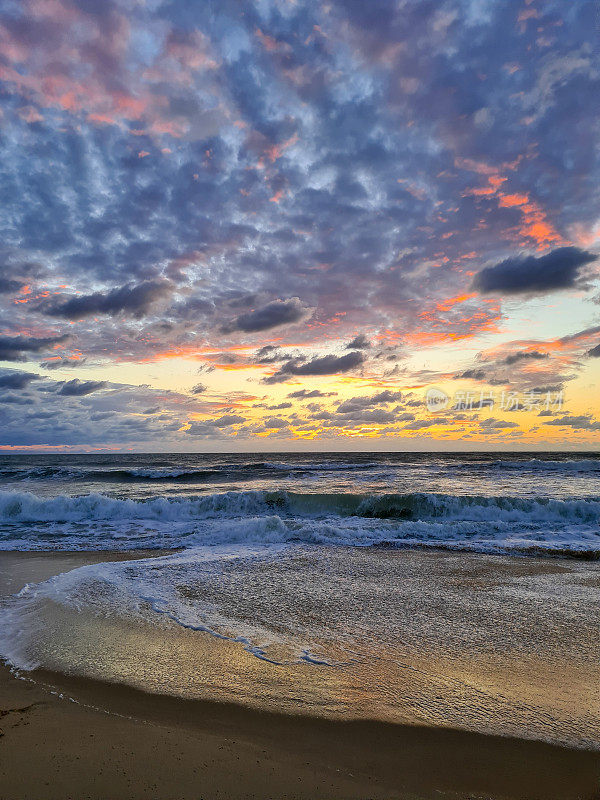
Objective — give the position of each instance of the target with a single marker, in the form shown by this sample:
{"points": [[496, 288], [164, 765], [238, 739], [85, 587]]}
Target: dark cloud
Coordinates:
{"points": [[496, 424], [376, 416], [77, 388], [360, 342], [304, 394], [471, 374], [550, 387], [214, 428], [594, 352], [199, 388], [16, 399], [17, 380], [275, 422], [16, 348], [242, 301], [269, 354], [558, 269], [525, 355], [226, 420], [355, 404], [9, 286], [583, 422], [274, 314], [325, 365], [134, 299], [387, 396], [421, 424], [63, 363]]}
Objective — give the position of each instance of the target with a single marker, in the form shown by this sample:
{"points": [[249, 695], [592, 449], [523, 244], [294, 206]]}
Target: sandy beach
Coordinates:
{"points": [[72, 737]]}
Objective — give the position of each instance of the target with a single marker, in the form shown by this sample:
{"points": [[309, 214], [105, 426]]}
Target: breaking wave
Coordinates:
{"points": [[27, 507], [477, 523]]}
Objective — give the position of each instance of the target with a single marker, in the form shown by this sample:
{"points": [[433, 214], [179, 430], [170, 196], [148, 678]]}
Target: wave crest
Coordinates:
{"points": [[27, 507]]}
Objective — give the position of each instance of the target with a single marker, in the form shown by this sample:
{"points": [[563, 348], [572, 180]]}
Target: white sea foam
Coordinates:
{"points": [[487, 524], [27, 507]]}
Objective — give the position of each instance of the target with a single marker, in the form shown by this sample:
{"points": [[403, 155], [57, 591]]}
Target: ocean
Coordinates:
{"points": [[444, 589], [510, 503]]}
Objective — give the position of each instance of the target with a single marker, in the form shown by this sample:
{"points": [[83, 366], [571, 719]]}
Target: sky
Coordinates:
{"points": [[292, 225]]}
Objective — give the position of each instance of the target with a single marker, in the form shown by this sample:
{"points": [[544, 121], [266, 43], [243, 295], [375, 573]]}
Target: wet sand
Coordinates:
{"points": [[117, 742]]}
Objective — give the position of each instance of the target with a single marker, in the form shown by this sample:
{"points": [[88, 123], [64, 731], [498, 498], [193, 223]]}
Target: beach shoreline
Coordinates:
{"points": [[64, 736], [118, 742]]}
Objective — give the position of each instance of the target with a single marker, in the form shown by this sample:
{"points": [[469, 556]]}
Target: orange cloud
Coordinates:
{"points": [[275, 151], [511, 200], [446, 305], [535, 226], [268, 42]]}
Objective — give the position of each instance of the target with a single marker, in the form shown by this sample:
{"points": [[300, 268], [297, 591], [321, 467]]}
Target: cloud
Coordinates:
{"points": [[9, 286], [269, 354], [355, 404], [346, 159], [15, 348], [131, 298], [387, 396], [526, 355], [304, 394], [77, 388], [325, 365], [556, 270], [17, 380], [274, 314], [360, 342], [49, 417], [275, 422], [199, 388], [472, 374], [594, 352], [63, 363], [214, 427], [496, 424], [583, 422], [16, 399], [421, 424], [376, 416], [226, 420]]}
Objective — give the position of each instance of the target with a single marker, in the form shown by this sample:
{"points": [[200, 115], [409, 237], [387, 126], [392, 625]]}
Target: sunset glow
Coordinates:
{"points": [[274, 226]]}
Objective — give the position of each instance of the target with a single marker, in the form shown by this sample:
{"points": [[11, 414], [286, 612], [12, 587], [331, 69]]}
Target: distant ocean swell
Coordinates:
{"points": [[239, 471], [254, 470]]}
